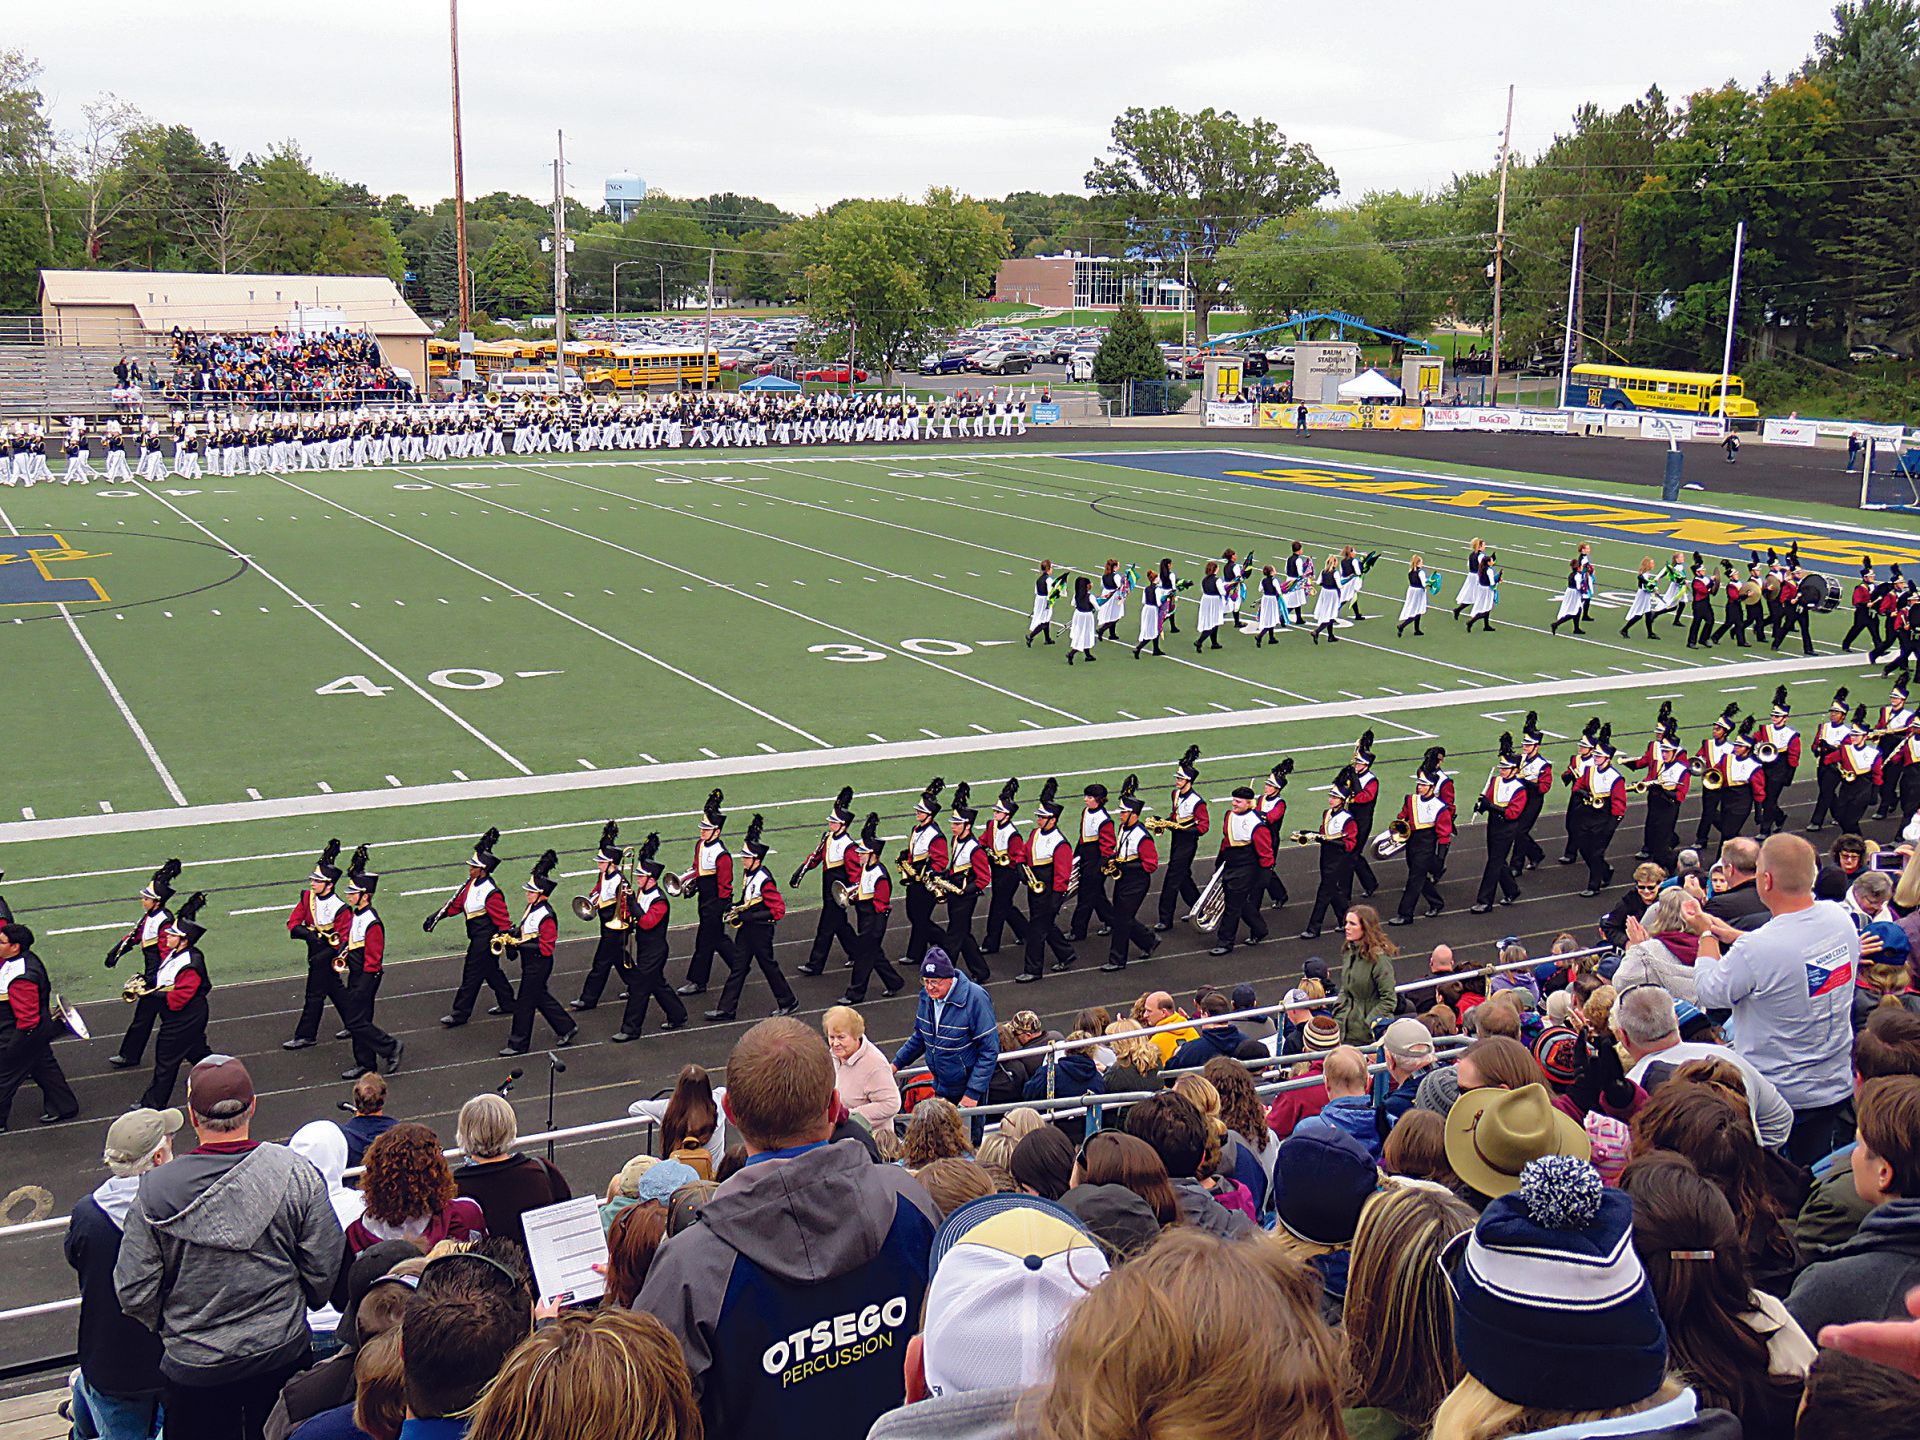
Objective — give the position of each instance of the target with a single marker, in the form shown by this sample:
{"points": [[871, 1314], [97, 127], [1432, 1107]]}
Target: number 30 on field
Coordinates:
{"points": [[860, 654], [457, 678]]}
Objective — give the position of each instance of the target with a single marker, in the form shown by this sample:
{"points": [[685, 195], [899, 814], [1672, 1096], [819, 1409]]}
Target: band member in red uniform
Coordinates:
{"points": [[1715, 751], [611, 899], [970, 873], [1092, 853], [1831, 735], [1362, 801], [1700, 592], [1896, 720], [1857, 763], [1577, 766], [1785, 740], [1246, 852], [1271, 806], [711, 879], [1746, 784], [1504, 803], [649, 909], [181, 985], [535, 938], [1429, 822], [1186, 822], [483, 909], [1007, 850], [759, 908], [319, 921], [1053, 861], [1602, 794], [1793, 609], [924, 857], [1668, 780], [27, 1028], [837, 858], [1338, 838], [1865, 621], [871, 901], [1536, 774], [1137, 859], [145, 937], [364, 948]]}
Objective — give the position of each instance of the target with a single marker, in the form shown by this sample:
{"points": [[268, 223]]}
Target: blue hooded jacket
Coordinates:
{"points": [[962, 1048]]}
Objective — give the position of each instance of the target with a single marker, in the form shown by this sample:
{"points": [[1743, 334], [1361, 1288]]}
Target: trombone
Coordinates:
{"points": [[1160, 824]]}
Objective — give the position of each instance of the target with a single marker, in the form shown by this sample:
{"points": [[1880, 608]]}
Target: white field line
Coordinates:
{"points": [[345, 634], [511, 787], [113, 691], [807, 616], [551, 609]]}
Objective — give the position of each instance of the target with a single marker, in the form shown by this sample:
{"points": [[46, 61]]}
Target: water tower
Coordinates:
{"points": [[625, 191]]}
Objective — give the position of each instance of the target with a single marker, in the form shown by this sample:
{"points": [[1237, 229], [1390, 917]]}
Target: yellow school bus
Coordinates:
{"points": [[1632, 387], [443, 358], [649, 367]]}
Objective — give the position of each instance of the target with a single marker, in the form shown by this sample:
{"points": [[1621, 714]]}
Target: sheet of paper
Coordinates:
{"points": [[565, 1242]]}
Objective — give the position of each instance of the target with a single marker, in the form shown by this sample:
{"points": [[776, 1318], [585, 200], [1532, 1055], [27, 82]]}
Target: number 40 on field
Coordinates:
{"points": [[457, 677]]}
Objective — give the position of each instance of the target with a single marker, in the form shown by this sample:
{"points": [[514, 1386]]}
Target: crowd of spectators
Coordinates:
{"points": [[283, 368], [1673, 1191]]}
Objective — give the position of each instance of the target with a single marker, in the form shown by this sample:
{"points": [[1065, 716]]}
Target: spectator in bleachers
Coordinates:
{"points": [[698, 1109], [806, 1233], [1156, 1007], [225, 1250], [1660, 949], [116, 1391], [952, 1183], [954, 1032], [1216, 1037], [1246, 1126], [1349, 1106], [1136, 1061], [1647, 1023], [504, 1183], [1889, 1045], [370, 1119], [1322, 1180], [1320, 1036], [1409, 1050], [1736, 896], [1121, 1191], [1221, 1160], [410, 1194], [1043, 1164], [860, 1072], [1366, 977], [592, 1377], [324, 1146], [1847, 1395], [935, 1131], [1493, 1132], [378, 1284], [467, 1315], [1177, 1132], [1416, 1148], [633, 1240], [330, 368]]}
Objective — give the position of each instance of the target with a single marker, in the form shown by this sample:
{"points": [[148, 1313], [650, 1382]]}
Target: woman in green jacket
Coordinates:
{"points": [[1366, 977]]}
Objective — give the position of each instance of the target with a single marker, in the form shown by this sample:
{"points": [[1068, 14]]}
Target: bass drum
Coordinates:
{"points": [[1820, 593]]}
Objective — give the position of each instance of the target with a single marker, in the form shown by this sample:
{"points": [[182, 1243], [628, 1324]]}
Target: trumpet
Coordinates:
{"points": [[340, 962], [137, 988], [1305, 837], [1714, 780], [999, 857], [503, 943]]}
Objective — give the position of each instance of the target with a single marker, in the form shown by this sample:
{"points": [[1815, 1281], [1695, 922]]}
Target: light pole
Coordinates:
{"points": [[618, 265], [661, 266]]}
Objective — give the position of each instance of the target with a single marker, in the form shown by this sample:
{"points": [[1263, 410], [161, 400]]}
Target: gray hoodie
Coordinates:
{"points": [[223, 1256]]}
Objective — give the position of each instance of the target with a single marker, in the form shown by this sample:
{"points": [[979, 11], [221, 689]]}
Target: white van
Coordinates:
{"points": [[509, 383]]}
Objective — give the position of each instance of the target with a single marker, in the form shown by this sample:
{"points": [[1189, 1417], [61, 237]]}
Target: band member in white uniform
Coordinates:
{"points": [[1326, 608], [1488, 595], [1213, 606], [1573, 599], [1298, 571], [1646, 602], [1040, 620], [1351, 580], [1415, 605], [1154, 604], [1113, 601], [1270, 617], [1084, 633], [1470, 582]]}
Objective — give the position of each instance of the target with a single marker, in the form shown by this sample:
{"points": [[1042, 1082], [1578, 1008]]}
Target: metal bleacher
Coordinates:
{"points": [[44, 379]]}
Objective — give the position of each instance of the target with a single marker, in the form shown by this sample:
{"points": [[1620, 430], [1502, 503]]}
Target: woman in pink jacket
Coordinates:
{"points": [[861, 1073]]}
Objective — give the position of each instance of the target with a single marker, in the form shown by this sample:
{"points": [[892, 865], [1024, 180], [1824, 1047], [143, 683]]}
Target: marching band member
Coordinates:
{"points": [[1113, 601], [483, 908], [760, 908], [1429, 822], [1299, 580], [319, 920], [1604, 791], [1156, 604], [27, 1028], [1053, 863], [1095, 848], [1794, 610], [1040, 618], [1667, 782], [146, 938], [534, 940], [712, 876], [1896, 720], [1186, 822], [649, 910], [1583, 558], [1502, 802], [1754, 595], [1213, 608], [1246, 852], [1362, 798], [117, 471], [1338, 838], [1886, 604], [364, 948], [1470, 581], [1770, 589], [1084, 632], [1415, 603], [872, 898], [1831, 735], [1700, 592], [1271, 805], [1326, 605], [1646, 605], [1857, 763], [1785, 740], [1715, 751], [1865, 592], [968, 870], [1487, 595], [1577, 766], [1134, 853], [1733, 607], [924, 857], [78, 471], [1903, 634], [1268, 619], [1573, 601], [613, 911], [837, 858], [1746, 784], [1536, 774], [1673, 580], [181, 986], [1007, 850], [6, 910], [1352, 573]]}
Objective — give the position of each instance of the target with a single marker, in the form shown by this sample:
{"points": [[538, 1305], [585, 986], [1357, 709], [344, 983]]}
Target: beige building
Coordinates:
{"points": [[131, 308]]}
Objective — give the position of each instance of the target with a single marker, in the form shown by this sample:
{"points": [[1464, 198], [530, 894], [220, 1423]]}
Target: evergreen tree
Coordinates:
{"points": [[441, 276], [1129, 351]]}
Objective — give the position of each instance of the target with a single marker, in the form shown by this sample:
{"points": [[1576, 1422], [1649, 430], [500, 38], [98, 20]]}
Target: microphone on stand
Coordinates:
{"points": [[507, 1084], [555, 1066]]}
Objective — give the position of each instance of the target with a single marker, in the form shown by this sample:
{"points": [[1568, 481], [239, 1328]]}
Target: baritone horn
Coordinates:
{"points": [[677, 886], [842, 896], [1211, 903], [1392, 840], [1305, 837], [583, 909], [1766, 752]]}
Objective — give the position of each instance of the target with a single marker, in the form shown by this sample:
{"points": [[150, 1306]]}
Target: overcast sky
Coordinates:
{"points": [[805, 101]]}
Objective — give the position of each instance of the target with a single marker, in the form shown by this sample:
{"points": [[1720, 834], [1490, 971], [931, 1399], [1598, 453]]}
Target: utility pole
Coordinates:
{"points": [[1573, 323], [1500, 248], [560, 261], [706, 328], [1733, 305], [459, 173]]}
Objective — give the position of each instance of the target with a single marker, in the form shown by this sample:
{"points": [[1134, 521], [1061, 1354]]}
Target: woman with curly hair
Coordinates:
{"points": [[590, 1376], [936, 1132], [411, 1195], [1366, 977], [1246, 1121]]}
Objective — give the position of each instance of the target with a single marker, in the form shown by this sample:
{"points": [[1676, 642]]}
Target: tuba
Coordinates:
{"points": [[68, 1016], [1392, 840], [1212, 902]]}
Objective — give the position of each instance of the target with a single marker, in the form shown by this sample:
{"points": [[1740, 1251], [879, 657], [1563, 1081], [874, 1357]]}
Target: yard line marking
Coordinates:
{"points": [[338, 629], [1738, 689], [26, 812], [1126, 715], [393, 780], [976, 725], [1351, 696], [325, 789], [252, 794], [257, 910], [588, 765], [89, 929], [930, 734], [113, 692], [708, 753], [1221, 705], [106, 807], [648, 759], [1429, 685], [766, 747], [1576, 692], [1587, 674], [556, 610], [460, 775], [877, 739]]}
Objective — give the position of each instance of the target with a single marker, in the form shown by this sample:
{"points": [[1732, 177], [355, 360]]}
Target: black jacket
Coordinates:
{"points": [[1740, 907], [118, 1355], [1868, 1277]]}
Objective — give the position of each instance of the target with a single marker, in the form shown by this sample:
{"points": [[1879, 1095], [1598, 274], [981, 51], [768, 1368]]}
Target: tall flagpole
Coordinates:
{"points": [[1733, 307], [1573, 293], [459, 174], [1500, 250]]}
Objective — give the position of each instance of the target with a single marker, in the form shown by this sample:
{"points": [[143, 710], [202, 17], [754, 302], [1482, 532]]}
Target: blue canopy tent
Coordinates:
{"points": [[773, 384]]}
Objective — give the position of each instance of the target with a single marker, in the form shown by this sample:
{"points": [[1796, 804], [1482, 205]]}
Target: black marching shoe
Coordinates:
{"points": [[1025, 978], [1060, 965], [392, 1063], [621, 1037], [787, 1009], [717, 1016], [679, 1024], [496, 1010], [452, 1022], [567, 1039], [352, 1072], [1221, 950], [1309, 934], [343, 1034], [691, 989], [886, 994], [505, 1050], [1589, 893], [120, 1062], [810, 970], [297, 1043], [1400, 920], [1479, 908], [1163, 927], [578, 1005], [48, 1117]]}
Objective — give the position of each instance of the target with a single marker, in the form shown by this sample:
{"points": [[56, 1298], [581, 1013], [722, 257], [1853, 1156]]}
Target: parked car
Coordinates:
{"points": [[1280, 355], [951, 363], [1002, 362], [834, 375], [1867, 352]]}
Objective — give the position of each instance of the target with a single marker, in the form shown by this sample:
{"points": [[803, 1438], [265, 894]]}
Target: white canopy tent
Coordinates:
{"points": [[1369, 385]]}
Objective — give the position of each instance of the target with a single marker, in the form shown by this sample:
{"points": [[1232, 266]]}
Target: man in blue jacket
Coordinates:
{"points": [[954, 1032]]}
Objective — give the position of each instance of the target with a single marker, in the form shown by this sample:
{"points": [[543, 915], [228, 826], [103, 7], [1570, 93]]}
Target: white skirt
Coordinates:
{"points": [[1327, 606], [1469, 587], [1042, 612], [1570, 602], [1113, 611], [1295, 598], [1151, 622], [1269, 617], [1213, 611], [1483, 602], [1645, 602], [1671, 598], [1350, 588], [1084, 624], [1415, 604]]}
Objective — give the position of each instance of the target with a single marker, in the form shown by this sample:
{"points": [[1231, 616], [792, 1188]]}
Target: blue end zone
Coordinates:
{"points": [[26, 576]]}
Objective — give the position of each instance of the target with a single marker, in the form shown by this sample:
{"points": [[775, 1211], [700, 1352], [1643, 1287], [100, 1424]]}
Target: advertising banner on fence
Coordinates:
{"points": [[1481, 417], [1046, 413], [1789, 432], [1222, 413]]}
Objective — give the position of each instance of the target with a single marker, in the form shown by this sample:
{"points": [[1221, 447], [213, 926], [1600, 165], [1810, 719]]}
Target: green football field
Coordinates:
{"points": [[234, 670]]}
